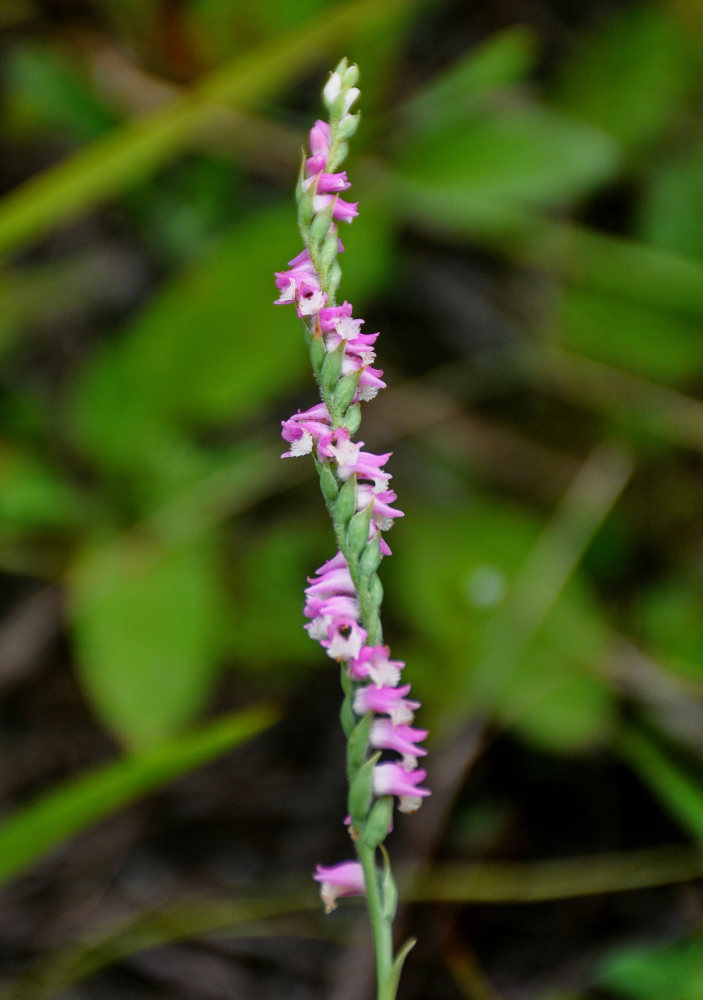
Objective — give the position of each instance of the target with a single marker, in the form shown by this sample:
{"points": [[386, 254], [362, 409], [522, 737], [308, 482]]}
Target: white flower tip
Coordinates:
{"points": [[409, 804], [332, 88], [287, 295], [328, 897], [367, 393], [303, 446], [349, 98], [311, 305]]}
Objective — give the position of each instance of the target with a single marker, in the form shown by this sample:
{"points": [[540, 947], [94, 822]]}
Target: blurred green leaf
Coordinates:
{"points": [[144, 628], [650, 972], [635, 405], [671, 616], [671, 213], [669, 778], [34, 496], [45, 90], [187, 209], [525, 154], [30, 832], [38, 295], [633, 74], [551, 693], [276, 561], [617, 331], [141, 145], [583, 256], [209, 347], [553, 700], [370, 250], [445, 101], [220, 28]]}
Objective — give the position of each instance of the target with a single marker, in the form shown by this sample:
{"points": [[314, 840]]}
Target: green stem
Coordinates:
{"points": [[380, 925]]}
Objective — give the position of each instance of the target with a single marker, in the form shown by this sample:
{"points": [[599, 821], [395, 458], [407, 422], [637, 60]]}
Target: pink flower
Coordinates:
{"points": [[344, 879], [403, 739], [332, 581], [360, 346], [301, 284], [393, 779], [304, 429], [389, 701], [350, 459], [373, 664], [382, 543], [332, 314], [327, 183], [337, 561], [381, 511], [345, 637], [324, 610], [344, 211], [370, 384], [293, 283], [320, 142]]}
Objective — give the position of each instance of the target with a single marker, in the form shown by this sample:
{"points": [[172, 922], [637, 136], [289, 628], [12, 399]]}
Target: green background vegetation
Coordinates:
{"points": [[531, 245]]}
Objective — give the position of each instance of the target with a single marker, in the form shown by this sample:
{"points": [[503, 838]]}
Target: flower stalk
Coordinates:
{"points": [[343, 599]]}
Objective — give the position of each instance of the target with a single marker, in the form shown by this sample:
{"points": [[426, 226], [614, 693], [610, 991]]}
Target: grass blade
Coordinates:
{"points": [[37, 828]]}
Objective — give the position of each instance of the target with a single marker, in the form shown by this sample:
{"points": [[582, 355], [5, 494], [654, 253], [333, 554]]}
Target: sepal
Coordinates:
{"points": [[345, 389], [352, 419], [361, 791], [375, 591], [350, 76], [371, 556], [317, 353], [328, 483], [358, 532], [389, 890], [346, 502], [348, 126], [320, 228], [357, 744], [334, 276], [328, 251], [304, 201], [347, 718], [338, 157], [331, 368], [376, 828]]}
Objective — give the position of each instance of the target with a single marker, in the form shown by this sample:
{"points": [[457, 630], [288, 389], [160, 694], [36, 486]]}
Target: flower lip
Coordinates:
{"points": [[394, 779]]}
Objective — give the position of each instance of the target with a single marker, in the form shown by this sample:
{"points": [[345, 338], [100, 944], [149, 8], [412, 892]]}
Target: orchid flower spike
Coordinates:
{"points": [[343, 599]]}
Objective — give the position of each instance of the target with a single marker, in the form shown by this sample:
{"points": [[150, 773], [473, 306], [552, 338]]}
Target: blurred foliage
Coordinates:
{"points": [[644, 973], [531, 239]]}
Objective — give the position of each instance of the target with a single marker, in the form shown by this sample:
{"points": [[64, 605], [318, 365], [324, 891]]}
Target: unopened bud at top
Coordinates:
{"points": [[340, 91]]}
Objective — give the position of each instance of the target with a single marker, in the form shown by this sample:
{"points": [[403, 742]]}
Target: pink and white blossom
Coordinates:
{"points": [[373, 663], [380, 501], [403, 739], [304, 429], [344, 879], [393, 779], [390, 701], [343, 211], [345, 637]]}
